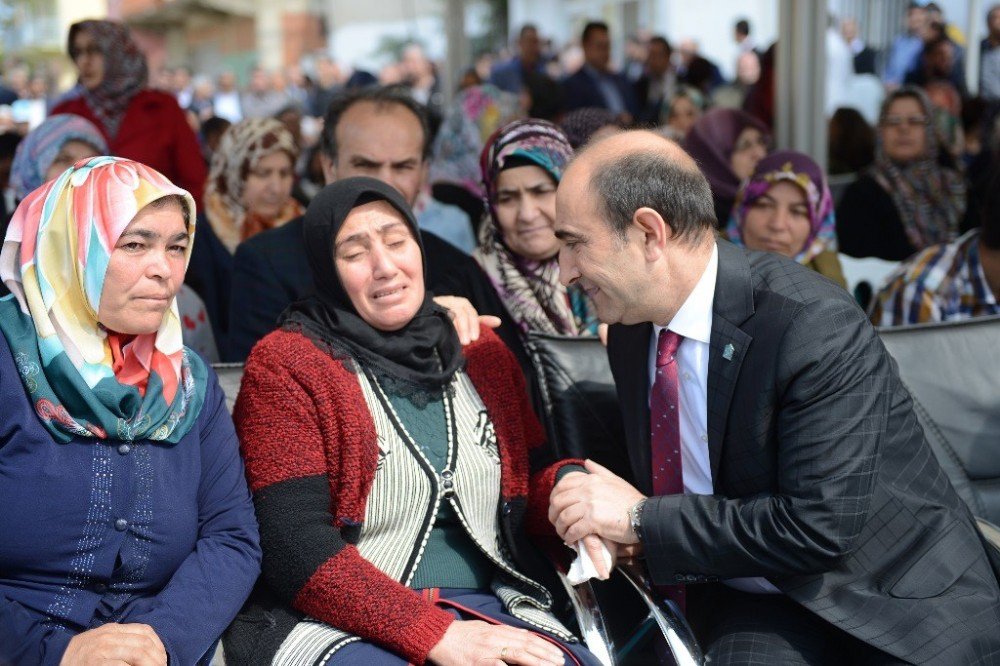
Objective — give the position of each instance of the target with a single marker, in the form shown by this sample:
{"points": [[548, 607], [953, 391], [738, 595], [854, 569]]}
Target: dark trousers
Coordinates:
{"points": [[735, 627]]}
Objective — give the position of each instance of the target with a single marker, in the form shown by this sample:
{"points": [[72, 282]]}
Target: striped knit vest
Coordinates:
{"points": [[403, 505]]}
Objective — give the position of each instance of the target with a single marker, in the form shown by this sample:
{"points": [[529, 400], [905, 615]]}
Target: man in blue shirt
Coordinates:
{"points": [[510, 75], [906, 49]]}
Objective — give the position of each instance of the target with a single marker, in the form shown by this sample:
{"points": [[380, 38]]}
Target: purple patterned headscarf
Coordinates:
{"points": [[711, 141], [530, 290], [801, 170]]}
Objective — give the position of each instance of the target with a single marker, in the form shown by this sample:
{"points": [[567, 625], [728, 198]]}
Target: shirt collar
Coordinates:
{"points": [[694, 319]]}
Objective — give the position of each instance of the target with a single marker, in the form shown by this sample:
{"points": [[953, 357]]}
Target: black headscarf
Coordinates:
{"points": [[423, 355]]}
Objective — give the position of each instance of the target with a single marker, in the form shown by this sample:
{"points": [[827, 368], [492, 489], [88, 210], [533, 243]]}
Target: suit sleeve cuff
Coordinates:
{"points": [[660, 537]]}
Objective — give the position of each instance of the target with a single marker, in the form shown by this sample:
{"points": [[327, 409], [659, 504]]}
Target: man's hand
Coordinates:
{"points": [[465, 318], [117, 644], [595, 503]]}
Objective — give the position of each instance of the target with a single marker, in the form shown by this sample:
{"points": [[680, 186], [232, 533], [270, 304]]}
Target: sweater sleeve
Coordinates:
{"points": [[544, 468], [308, 561], [26, 640]]}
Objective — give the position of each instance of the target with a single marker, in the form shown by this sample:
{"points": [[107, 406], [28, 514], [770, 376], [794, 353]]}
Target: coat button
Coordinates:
{"points": [[124, 449], [121, 524], [507, 509]]}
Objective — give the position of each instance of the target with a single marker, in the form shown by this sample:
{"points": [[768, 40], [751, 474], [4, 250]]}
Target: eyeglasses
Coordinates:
{"points": [[912, 121], [756, 142]]}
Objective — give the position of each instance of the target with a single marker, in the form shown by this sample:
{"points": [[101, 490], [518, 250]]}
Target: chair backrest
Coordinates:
{"points": [[230, 376], [579, 402], [865, 276], [952, 370]]}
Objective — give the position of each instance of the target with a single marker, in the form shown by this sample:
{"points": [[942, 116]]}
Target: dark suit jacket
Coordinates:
{"points": [[823, 482], [271, 270], [210, 273], [582, 91]]}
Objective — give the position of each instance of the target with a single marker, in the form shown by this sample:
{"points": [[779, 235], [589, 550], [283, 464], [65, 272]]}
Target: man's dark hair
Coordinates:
{"points": [[651, 179], [525, 28], [661, 41], [591, 28], [743, 27], [382, 97]]}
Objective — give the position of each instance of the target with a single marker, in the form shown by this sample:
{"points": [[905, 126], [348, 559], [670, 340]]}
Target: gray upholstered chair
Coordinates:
{"points": [[952, 371]]}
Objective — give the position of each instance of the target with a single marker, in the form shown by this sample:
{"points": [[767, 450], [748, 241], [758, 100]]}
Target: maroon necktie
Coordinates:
{"points": [[665, 433]]}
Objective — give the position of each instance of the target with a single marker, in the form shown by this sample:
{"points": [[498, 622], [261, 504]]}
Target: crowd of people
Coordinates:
{"points": [[377, 259]]}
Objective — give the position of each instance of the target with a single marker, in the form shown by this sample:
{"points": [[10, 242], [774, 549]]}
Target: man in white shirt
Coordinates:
{"points": [[781, 483]]}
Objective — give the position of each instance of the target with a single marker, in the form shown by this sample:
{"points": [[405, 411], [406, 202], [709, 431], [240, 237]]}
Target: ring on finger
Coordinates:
{"points": [[503, 652]]}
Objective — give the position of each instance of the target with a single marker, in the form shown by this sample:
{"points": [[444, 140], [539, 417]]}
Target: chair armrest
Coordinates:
{"points": [[991, 533], [675, 629], [588, 615], [670, 621]]}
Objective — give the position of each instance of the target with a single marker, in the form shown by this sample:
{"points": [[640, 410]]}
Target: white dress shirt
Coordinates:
{"points": [[693, 322]]}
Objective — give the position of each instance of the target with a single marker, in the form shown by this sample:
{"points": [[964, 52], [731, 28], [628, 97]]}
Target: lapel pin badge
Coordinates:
{"points": [[728, 352]]}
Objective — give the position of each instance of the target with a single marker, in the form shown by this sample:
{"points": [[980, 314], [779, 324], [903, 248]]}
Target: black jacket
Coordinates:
{"points": [[823, 481]]}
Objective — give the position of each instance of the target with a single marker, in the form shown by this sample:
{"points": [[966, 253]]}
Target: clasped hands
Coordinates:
{"points": [[594, 508]]}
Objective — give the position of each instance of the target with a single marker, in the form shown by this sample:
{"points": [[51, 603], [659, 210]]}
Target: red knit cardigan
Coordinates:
{"points": [[311, 450]]}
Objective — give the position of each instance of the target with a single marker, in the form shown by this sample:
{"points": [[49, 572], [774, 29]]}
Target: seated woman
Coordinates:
{"points": [[57, 144], [138, 122], [518, 250], [249, 190], [390, 468], [127, 525], [909, 200], [786, 207], [948, 281], [726, 144], [683, 111]]}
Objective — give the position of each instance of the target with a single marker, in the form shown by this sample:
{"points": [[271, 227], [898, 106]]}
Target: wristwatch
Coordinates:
{"points": [[635, 518]]}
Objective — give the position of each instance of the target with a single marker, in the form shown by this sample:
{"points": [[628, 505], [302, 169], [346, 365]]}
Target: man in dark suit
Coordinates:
{"points": [[658, 83], [776, 459], [595, 84], [377, 132]]}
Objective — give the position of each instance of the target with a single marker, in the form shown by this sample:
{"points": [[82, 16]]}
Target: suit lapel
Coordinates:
{"points": [[732, 305], [628, 353]]}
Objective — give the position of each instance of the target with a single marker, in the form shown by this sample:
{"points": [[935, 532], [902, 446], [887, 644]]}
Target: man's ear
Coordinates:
{"points": [[329, 170], [656, 233]]}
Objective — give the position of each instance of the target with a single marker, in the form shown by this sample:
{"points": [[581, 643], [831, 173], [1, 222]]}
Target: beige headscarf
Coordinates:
{"points": [[243, 145]]}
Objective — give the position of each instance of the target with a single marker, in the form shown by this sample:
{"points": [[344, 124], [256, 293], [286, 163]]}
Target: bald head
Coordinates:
{"points": [[632, 170]]}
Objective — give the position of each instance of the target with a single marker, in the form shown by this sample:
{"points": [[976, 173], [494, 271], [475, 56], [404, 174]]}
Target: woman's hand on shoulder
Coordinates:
{"points": [[132, 644], [483, 644], [466, 319]]}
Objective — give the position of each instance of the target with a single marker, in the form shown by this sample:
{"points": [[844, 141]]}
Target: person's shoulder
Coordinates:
{"points": [[775, 275], [151, 97], [281, 347], [291, 353], [276, 240], [487, 351]]}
